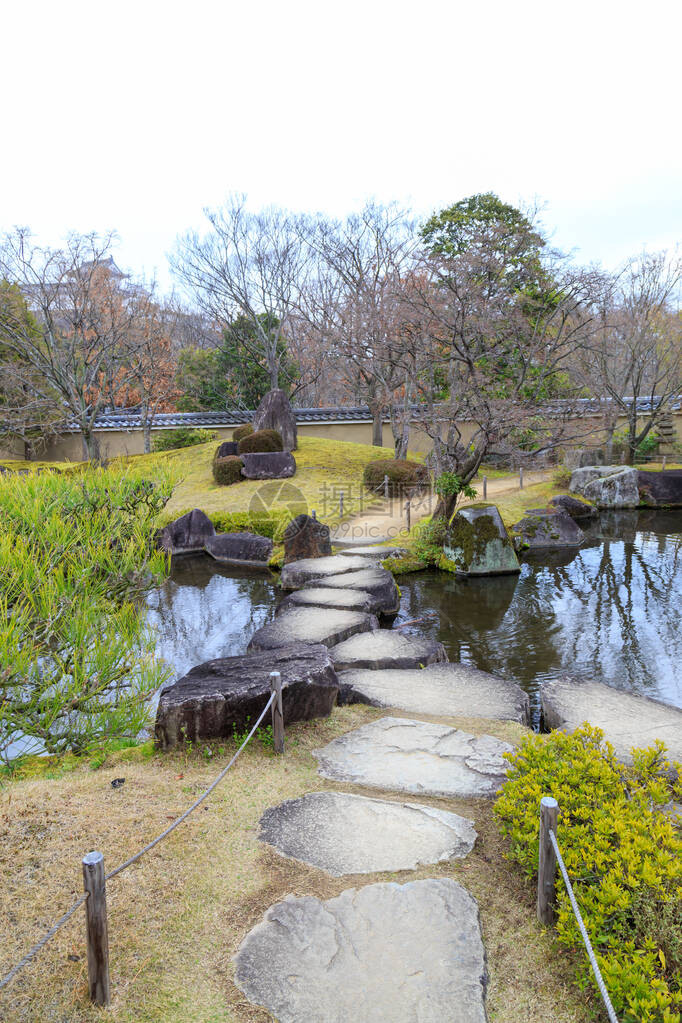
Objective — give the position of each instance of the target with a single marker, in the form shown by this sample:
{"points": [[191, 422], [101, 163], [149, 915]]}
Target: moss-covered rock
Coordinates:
{"points": [[478, 543]]}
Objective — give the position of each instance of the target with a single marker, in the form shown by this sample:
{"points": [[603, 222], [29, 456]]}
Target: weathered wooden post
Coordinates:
{"points": [[277, 712], [549, 815], [663, 463], [96, 932], [407, 514], [485, 488], [386, 488], [521, 477]]}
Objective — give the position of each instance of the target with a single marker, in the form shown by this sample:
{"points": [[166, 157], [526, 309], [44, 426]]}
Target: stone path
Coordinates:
{"points": [[343, 833], [385, 953]]}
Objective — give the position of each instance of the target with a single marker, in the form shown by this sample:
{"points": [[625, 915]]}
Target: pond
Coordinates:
{"points": [[610, 611]]}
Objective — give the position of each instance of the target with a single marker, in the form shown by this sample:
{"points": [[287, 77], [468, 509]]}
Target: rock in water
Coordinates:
{"points": [[377, 581], [239, 548], [218, 696], [586, 474], [574, 507], [416, 756], [275, 413], [543, 529], [327, 596], [306, 538], [478, 543], [188, 534], [385, 648], [385, 953], [627, 720], [661, 489], [268, 465], [349, 834], [443, 690], [311, 625], [619, 490]]}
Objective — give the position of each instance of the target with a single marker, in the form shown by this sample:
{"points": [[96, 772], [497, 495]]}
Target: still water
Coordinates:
{"points": [[611, 611]]}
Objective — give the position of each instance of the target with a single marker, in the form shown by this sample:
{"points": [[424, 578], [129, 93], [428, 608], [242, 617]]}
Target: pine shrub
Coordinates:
{"points": [[242, 431], [227, 470], [262, 440]]}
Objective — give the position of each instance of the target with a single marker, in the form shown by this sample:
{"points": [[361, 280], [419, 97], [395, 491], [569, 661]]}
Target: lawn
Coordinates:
{"points": [[177, 917]]}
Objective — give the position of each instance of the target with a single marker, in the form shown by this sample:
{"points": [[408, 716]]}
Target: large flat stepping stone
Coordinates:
{"points": [[375, 580], [627, 721], [347, 834], [386, 649], [299, 573], [416, 756], [311, 625], [327, 596], [442, 690], [230, 692], [375, 553], [385, 953]]}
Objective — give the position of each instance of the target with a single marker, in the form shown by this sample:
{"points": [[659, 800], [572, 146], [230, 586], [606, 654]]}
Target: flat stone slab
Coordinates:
{"points": [[268, 465], [627, 720], [327, 596], [348, 834], [312, 625], [377, 553], [300, 573], [230, 692], [385, 953], [442, 690], [386, 648], [239, 549], [375, 580], [416, 756]]}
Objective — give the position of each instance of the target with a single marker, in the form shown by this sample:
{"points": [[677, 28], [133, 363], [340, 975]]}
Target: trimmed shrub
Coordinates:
{"points": [[227, 470], [182, 437], [623, 853], [242, 431], [262, 440], [401, 472]]}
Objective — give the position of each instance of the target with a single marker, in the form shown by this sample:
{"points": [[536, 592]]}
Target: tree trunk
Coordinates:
{"points": [[377, 428], [90, 446], [147, 432]]}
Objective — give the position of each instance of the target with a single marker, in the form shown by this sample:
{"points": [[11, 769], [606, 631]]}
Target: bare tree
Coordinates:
{"points": [[633, 364], [249, 265], [78, 300]]}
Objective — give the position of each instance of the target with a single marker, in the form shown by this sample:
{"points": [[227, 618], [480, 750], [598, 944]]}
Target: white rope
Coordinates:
{"points": [[586, 940]]}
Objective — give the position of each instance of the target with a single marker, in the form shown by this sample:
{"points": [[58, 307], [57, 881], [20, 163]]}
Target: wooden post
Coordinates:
{"points": [[386, 488], [485, 488], [407, 513], [277, 712], [97, 936], [313, 515], [521, 477], [663, 463], [549, 815], [341, 505]]}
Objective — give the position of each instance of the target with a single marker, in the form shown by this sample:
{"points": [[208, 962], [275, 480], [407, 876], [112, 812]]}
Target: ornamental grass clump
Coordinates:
{"points": [[77, 555], [623, 853]]}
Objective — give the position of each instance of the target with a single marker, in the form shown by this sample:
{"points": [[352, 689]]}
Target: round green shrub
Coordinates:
{"points": [[227, 470], [262, 440], [242, 431], [401, 472], [182, 437]]}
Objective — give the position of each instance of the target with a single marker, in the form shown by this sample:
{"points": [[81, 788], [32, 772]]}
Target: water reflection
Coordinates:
{"points": [[204, 611], [610, 611]]}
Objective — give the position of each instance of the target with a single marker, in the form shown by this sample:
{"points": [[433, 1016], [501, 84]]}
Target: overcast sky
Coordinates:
{"points": [[136, 115]]}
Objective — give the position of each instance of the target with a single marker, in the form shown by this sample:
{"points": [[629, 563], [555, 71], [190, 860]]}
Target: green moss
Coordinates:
{"points": [[404, 565], [447, 565], [276, 561], [472, 538]]}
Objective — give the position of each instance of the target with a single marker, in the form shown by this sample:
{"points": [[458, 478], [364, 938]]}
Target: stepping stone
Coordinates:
{"points": [[378, 553], [385, 953], [627, 721], [312, 625], [386, 649], [416, 756], [300, 573], [375, 580], [443, 690], [227, 693], [327, 596], [347, 834]]}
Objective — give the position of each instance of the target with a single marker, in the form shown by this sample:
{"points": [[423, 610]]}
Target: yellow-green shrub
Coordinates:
{"points": [[623, 855], [242, 431]]}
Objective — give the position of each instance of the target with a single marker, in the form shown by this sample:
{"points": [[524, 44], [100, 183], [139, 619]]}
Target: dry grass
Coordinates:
{"points": [[177, 917]]}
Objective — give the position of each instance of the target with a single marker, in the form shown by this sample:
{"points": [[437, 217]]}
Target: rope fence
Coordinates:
{"points": [[94, 878], [549, 857]]}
